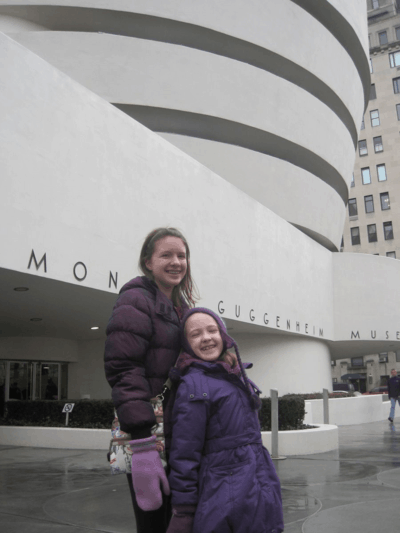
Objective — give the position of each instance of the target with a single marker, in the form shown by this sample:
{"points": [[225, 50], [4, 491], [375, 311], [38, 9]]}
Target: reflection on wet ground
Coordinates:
{"points": [[355, 488]]}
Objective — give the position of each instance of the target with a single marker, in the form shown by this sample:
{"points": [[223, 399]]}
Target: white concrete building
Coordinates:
{"points": [[372, 224], [235, 122]]}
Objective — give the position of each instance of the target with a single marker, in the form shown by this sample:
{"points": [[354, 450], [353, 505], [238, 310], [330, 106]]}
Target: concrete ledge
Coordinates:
{"points": [[349, 411], [66, 438], [324, 438], [302, 442]]}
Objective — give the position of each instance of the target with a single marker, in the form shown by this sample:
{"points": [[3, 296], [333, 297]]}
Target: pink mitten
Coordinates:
{"points": [[148, 474]]}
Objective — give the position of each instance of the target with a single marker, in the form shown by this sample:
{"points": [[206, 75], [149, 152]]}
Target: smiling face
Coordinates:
{"points": [[203, 335], [168, 263]]}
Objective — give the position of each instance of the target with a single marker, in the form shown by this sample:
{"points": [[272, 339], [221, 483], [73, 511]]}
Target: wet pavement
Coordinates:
{"points": [[356, 488]]}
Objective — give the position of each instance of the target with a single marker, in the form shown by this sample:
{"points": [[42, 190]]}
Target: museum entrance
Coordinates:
{"points": [[32, 380]]}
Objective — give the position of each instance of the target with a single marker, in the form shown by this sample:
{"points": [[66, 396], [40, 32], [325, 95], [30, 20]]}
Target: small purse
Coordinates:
{"points": [[120, 453]]}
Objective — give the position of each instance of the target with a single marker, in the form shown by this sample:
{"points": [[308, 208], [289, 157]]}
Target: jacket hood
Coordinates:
{"points": [[228, 342]]}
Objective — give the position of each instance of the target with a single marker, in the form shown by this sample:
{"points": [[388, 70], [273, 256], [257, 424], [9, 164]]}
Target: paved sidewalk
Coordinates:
{"points": [[356, 489]]}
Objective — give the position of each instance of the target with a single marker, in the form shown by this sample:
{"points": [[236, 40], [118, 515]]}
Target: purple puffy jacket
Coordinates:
{"points": [[217, 459], [143, 343]]}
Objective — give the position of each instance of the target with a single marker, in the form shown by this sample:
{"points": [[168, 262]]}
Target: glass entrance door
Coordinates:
{"points": [[20, 381], [33, 380], [3, 368], [47, 377]]}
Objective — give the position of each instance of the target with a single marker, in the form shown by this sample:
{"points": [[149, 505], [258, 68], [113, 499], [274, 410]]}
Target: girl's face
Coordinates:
{"points": [[203, 335], [168, 263]]}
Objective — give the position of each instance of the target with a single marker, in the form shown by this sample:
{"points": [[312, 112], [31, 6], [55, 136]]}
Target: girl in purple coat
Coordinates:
{"points": [[222, 479], [143, 343]]}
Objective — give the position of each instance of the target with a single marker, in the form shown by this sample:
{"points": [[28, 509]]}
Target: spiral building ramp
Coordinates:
{"points": [[236, 122]]}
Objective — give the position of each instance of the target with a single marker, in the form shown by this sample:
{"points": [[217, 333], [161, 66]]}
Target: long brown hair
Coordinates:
{"points": [[187, 288], [230, 358]]}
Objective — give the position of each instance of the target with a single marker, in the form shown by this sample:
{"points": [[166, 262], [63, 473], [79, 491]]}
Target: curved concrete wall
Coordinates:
{"points": [[95, 181], [273, 359], [39, 348], [267, 24], [87, 205], [230, 74], [364, 301], [275, 183]]}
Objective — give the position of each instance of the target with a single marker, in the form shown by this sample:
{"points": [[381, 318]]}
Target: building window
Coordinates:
{"points": [[34, 380], [375, 118], [363, 124], [398, 33], [372, 92], [353, 207], [398, 357], [355, 236], [388, 230], [372, 236], [352, 184], [394, 59], [391, 254], [375, 4], [362, 148], [398, 111], [382, 38], [357, 361], [396, 85], [366, 176], [369, 203], [378, 146], [385, 201], [381, 169], [371, 68]]}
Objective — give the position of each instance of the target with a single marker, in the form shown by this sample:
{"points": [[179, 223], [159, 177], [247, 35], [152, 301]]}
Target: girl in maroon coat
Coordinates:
{"points": [[143, 343], [222, 478]]}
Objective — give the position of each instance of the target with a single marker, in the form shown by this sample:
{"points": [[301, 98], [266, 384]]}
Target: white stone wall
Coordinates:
{"points": [[232, 74], [86, 182]]}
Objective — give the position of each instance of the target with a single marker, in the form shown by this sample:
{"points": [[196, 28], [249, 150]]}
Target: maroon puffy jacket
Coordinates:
{"points": [[143, 343]]}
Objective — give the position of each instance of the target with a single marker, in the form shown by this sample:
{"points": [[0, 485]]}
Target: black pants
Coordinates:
{"points": [[151, 521]]}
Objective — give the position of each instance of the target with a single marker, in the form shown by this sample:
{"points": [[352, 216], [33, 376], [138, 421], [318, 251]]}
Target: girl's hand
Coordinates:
{"points": [[181, 522], [148, 474]]}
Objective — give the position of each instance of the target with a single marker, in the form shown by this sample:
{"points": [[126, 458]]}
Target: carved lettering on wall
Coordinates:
{"points": [[111, 279], [37, 265], [278, 320], [83, 272], [79, 270]]}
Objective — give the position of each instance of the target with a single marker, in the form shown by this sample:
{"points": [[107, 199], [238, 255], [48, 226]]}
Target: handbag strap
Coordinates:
{"points": [[168, 384]]}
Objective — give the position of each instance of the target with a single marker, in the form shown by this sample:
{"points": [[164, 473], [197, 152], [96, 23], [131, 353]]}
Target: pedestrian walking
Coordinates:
{"points": [[394, 392]]}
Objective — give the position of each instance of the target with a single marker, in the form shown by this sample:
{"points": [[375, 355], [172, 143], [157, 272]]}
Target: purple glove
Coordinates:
{"points": [[182, 519], [147, 474]]}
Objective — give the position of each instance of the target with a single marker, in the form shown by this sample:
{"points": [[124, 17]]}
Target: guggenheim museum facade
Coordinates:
{"points": [[235, 122]]}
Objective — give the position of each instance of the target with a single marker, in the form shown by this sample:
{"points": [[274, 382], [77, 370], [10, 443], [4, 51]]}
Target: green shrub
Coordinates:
{"points": [[97, 414], [291, 412]]}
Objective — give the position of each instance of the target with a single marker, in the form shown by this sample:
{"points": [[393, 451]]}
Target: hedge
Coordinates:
{"points": [[99, 414], [291, 412], [96, 414]]}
